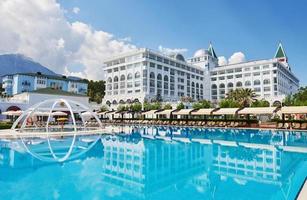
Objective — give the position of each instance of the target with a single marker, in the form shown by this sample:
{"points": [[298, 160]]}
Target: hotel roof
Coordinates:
{"points": [[59, 77], [56, 92]]}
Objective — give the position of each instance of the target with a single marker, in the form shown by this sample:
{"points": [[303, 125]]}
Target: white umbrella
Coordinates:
{"points": [[59, 113], [13, 113], [39, 113], [87, 114]]}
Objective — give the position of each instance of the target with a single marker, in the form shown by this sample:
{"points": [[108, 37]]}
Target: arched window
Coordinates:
{"points": [[122, 77], [214, 91], [197, 85], [239, 84], [137, 75], [114, 102], [193, 84], [129, 77], [230, 85], [121, 101], [222, 85], [109, 80], [165, 78], [257, 82], [248, 83], [152, 75], [266, 81], [159, 77], [115, 78], [222, 90], [201, 86]]}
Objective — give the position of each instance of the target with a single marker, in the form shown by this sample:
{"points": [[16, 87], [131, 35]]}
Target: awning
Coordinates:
{"points": [[102, 113], [294, 110], [165, 112], [226, 111], [257, 111], [203, 111], [183, 112], [150, 112], [110, 112]]}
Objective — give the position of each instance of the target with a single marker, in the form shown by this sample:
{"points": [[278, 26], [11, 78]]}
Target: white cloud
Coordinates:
{"points": [[76, 10], [170, 51], [41, 31], [237, 57], [222, 60]]}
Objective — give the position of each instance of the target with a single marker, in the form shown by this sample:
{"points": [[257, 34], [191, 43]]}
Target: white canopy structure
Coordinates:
{"points": [[294, 110], [203, 111], [150, 112], [165, 112], [226, 111], [182, 112], [258, 111]]}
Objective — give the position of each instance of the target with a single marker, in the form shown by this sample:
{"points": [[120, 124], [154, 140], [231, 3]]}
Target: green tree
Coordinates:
{"points": [[122, 108], [260, 103], [180, 106], [298, 99], [202, 104], [104, 108], [228, 103], [186, 99], [243, 96], [96, 90], [167, 106]]}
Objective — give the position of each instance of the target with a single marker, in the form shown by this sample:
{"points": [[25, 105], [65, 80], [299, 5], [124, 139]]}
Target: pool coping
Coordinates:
{"points": [[302, 193], [8, 133]]}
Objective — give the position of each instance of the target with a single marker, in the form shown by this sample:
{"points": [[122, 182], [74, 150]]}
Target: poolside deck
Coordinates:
{"points": [[303, 192]]}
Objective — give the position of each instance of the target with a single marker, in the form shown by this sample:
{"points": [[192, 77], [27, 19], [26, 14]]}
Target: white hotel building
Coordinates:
{"points": [[143, 74]]}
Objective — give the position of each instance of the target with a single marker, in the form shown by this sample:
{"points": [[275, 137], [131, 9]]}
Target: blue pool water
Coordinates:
{"points": [[157, 163]]}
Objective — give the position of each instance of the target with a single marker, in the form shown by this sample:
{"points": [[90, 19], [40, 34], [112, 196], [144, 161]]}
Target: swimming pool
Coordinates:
{"points": [[157, 163]]}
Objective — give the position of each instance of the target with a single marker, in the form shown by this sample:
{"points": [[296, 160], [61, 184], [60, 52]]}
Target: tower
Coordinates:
{"points": [[281, 56]]}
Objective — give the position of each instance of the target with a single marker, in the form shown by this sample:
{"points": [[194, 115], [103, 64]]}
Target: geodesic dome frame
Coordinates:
{"points": [[72, 108]]}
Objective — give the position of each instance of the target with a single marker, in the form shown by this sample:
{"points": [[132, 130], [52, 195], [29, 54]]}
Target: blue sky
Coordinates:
{"points": [[253, 27]]}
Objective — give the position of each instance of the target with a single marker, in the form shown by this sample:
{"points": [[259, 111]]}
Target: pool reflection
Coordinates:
{"points": [[181, 163]]}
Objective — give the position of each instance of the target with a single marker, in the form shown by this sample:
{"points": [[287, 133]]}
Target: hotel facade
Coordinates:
{"points": [[26, 82], [145, 75]]}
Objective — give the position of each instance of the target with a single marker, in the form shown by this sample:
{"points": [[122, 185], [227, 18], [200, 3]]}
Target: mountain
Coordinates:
{"points": [[17, 63]]}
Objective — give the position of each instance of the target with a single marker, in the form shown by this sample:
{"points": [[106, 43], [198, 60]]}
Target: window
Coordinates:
{"points": [[239, 84], [256, 67], [122, 78], [137, 75], [152, 75], [267, 89], [257, 82], [129, 77], [115, 79], [257, 89], [248, 83], [256, 74], [266, 81], [152, 65], [230, 77], [109, 80]]}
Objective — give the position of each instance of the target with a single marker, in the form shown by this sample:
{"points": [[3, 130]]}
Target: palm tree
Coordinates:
{"points": [[244, 96]]}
